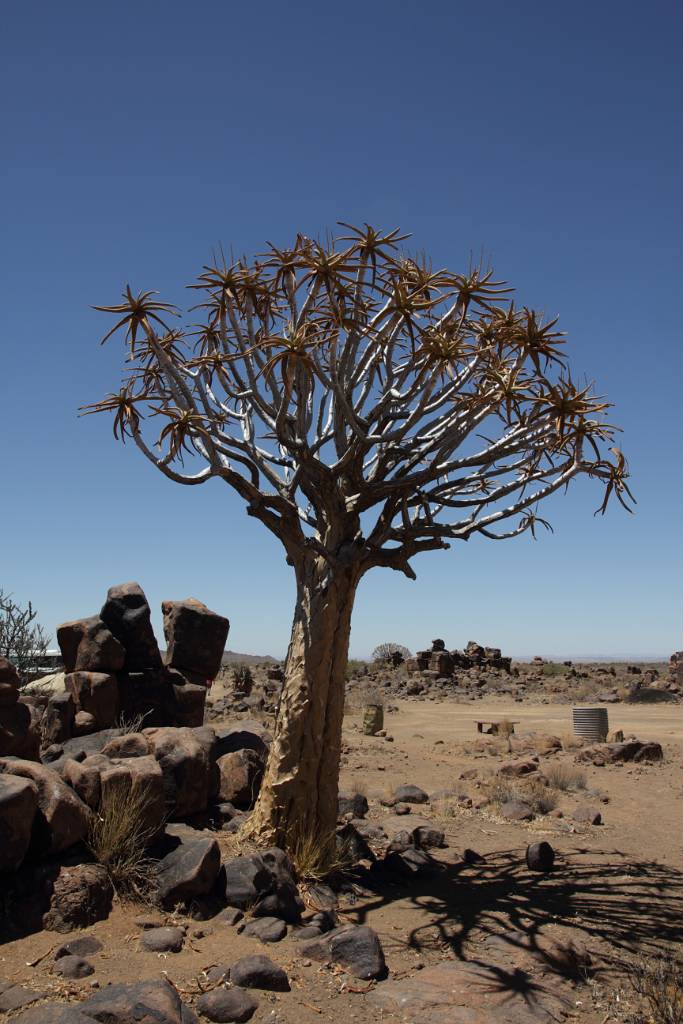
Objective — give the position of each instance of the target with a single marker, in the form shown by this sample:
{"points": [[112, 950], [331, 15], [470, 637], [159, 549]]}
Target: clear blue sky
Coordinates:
{"points": [[137, 136]]}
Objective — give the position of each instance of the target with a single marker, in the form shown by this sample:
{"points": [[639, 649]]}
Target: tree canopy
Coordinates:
{"points": [[363, 404]]}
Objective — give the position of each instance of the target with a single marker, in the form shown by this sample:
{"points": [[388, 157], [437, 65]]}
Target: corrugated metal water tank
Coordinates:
{"points": [[591, 723]]}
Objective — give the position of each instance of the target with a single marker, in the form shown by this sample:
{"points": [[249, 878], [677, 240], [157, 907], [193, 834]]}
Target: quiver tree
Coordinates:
{"points": [[366, 408]]}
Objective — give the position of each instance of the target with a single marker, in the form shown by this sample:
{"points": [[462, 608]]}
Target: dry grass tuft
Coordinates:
{"points": [[315, 857], [118, 837], [570, 741], [564, 776], [536, 794], [659, 981]]}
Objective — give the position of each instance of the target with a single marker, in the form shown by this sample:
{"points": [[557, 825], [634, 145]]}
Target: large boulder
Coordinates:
{"points": [[96, 693], [19, 732], [127, 615], [184, 757], [265, 884], [61, 819], [188, 871], [145, 1002], [58, 720], [57, 895], [147, 695], [88, 646], [240, 777], [81, 895], [18, 805], [356, 948], [140, 777], [195, 638]]}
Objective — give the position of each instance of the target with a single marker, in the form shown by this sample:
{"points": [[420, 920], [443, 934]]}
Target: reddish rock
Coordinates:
{"points": [[82, 894], [88, 646], [195, 638], [18, 805], [9, 684], [97, 693], [19, 732], [143, 778], [516, 769], [84, 779], [85, 724], [58, 720], [240, 777], [61, 819], [127, 614]]}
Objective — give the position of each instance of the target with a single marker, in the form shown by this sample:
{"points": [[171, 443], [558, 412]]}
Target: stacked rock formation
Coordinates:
{"points": [[114, 670], [445, 663]]}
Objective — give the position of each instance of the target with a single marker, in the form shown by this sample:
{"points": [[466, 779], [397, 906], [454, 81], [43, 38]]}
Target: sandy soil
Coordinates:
{"points": [[617, 888]]}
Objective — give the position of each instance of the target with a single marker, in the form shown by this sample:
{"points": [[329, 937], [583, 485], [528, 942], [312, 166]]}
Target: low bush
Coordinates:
{"points": [[118, 837]]}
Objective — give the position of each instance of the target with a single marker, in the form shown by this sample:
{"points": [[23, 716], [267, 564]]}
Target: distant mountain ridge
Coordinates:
{"points": [[234, 657]]}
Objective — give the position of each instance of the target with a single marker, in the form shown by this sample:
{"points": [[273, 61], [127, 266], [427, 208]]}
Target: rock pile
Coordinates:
{"points": [[444, 663], [114, 670]]}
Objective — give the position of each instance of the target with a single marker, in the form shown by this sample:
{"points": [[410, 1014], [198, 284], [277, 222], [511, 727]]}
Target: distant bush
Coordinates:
{"points": [[242, 678], [391, 654], [23, 641]]}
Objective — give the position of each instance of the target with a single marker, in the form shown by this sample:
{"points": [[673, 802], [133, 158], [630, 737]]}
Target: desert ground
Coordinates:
{"points": [[479, 937]]}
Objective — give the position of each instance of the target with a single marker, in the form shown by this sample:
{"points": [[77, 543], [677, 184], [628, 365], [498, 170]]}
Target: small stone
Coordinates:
{"points": [[259, 972], [472, 857], [73, 967], [540, 857], [162, 940], [85, 945], [266, 929], [227, 1004], [587, 815], [410, 794], [230, 916], [516, 810]]}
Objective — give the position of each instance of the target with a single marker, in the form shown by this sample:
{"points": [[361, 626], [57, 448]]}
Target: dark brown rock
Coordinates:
{"points": [[84, 724], [162, 940], [88, 646], [145, 1002], [195, 638], [82, 894], [19, 732], [58, 720], [540, 857], [188, 871], [74, 967], [96, 693], [516, 810], [259, 972], [184, 760], [240, 777], [18, 805], [356, 948], [126, 613], [61, 819], [227, 1004]]}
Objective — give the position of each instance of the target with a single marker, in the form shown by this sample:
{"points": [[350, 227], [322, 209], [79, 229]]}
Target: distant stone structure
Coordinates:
{"points": [[445, 662]]}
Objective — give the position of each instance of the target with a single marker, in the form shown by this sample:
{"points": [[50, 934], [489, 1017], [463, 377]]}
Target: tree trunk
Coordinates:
{"points": [[298, 797]]}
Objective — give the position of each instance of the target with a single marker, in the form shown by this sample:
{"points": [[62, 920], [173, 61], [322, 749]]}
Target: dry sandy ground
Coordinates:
{"points": [[617, 888]]}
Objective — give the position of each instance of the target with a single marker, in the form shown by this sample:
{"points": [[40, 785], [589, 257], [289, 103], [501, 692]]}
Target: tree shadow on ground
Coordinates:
{"points": [[604, 898]]}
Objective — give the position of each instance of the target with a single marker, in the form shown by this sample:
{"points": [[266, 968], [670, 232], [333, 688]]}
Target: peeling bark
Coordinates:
{"points": [[301, 784]]}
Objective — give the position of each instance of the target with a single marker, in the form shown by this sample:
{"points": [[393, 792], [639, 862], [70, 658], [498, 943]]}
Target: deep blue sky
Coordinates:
{"points": [[137, 136]]}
